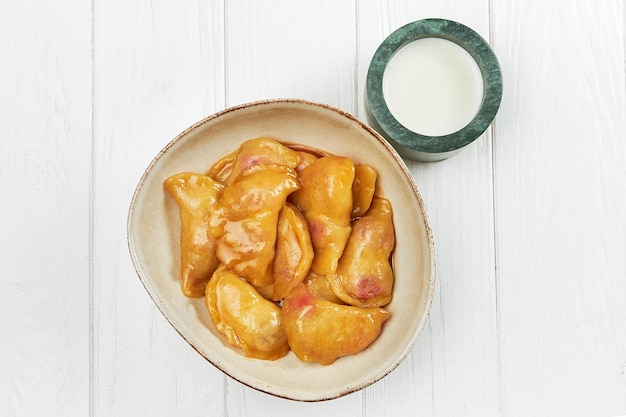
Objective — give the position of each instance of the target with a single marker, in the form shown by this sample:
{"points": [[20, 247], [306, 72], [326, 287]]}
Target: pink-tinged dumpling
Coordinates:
{"points": [[244, 317], [364, 276], [251, 154], [196, 196], [321, 331], [294, 251], [244, 223], [363, 189], [326, 201]]}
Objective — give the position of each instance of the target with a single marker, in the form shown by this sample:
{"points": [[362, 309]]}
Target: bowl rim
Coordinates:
{"points": [[467, 39], [431, 281]]}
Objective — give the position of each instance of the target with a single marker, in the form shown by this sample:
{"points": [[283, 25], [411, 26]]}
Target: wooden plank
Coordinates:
{"points": [[45, 155], [157, 70], [560, 199], [304, 49], [277, 49], [453, 369]]}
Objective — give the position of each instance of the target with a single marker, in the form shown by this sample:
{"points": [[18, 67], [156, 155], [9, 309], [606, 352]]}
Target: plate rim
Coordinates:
{"points": [[432, 280]]}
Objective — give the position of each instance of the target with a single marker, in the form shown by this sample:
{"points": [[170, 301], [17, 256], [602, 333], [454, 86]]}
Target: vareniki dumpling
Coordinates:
{"points": [[253, 153], [246, 318], [364, 276], [319, 287], [326, 201], [294, 251], [363, 189], [291, 247], [244, 223], [196, 196], [321, 331]]}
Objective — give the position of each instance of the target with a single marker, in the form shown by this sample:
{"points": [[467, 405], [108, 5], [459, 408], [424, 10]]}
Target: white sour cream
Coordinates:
{"points": [[433, 87]]}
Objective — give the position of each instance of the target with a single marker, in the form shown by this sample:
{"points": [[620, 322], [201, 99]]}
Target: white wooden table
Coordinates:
{"points": [[529, 316]]}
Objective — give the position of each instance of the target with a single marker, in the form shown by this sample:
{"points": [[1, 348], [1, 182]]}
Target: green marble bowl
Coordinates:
{"points": [[413, 145]]}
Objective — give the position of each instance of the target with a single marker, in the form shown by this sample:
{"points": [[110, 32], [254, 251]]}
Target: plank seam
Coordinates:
{"points": [[495, 240], [91, 284]]}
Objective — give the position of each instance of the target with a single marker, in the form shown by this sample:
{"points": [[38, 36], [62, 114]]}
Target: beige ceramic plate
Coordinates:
{"points": [[154, 233]]}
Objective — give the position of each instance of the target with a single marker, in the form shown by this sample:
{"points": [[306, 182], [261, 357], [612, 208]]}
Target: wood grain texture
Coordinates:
{"points": [[45, 150], [158, 69], [560, 194], [529, 221], [279, 49], [454, 367]]}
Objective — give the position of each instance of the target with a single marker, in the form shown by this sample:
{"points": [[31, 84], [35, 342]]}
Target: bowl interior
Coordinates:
{"points": [[154, 234]]}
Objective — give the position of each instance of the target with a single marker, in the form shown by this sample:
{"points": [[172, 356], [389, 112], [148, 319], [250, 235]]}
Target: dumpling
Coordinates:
{"points": [[319, 287], [326, 201], [321, 331], [266, 291], [251, 154], [294, 251], [244, 223], [363, 189], [196, 195], [307, 158], [246, 319], [364, 276]]}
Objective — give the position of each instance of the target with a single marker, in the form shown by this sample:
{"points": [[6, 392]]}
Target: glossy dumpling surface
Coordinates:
{"points": [[321, 331], [294, 251], [251, 154], [319, 287], [196, 196], [244, 317], [244, 223], [364, 276], [326, 201], [363, 189]]}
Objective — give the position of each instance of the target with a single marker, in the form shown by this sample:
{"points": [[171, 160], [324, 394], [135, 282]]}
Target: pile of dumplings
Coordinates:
{"points": [[291, 248]]}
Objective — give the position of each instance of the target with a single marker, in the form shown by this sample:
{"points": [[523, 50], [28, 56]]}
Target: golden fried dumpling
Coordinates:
{"points": [[245, 220], [245, 317], [363, 189], [319, 287], [294, 251], [321, 331], [266, 291], [364, 276], [253, 153], [196, 195], [326, 201], [307, 158]]}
